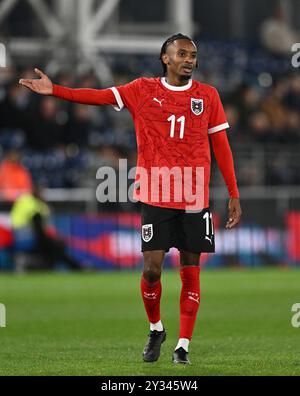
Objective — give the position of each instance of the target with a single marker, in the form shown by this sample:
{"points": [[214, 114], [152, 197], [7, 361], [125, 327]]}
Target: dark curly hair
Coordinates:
{"points": [[170, 40]]}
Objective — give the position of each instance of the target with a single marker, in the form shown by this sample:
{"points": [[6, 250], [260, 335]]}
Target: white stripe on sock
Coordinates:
{"points": [[158, 326], [183, 343]]}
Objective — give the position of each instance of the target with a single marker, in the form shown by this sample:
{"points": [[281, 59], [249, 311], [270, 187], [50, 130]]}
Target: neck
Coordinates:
{"points": [[177, 81]]}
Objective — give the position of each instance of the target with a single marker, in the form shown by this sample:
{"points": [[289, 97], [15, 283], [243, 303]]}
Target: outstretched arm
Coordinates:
{"points": [[225, 163], [44, 86]]}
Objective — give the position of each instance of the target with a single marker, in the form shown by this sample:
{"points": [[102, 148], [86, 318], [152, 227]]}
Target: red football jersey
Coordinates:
{"points": [[172, 128]]}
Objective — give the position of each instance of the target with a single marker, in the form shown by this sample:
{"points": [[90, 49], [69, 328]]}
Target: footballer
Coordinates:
{"points": [[176, 118]]}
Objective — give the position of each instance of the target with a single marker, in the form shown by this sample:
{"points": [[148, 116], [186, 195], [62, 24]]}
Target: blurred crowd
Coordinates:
{"points": [[61, 145], [266, 115]]}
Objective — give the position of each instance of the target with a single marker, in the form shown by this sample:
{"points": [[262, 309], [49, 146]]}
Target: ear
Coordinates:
{"points": [[165, 58]]}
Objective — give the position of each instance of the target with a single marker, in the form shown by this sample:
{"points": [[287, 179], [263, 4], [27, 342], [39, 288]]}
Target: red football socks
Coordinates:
{"points": [[189, 300], [151, 293]]}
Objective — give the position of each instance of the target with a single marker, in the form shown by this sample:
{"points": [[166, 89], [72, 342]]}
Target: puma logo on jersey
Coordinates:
{"points": [[158, 101], [209, 239]]}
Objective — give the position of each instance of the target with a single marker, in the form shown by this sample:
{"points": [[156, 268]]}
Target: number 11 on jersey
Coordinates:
{"points": [[172, 119]]}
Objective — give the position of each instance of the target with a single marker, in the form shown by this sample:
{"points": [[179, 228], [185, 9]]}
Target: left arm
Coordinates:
{"points": [[223, 155]]}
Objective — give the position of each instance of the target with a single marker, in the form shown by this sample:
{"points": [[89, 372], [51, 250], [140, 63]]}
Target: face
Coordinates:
{"points": [[181, 58]]}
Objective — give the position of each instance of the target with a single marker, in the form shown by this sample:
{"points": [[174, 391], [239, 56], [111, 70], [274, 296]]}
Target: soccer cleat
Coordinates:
{"points": [[152, 349], [180, 356]]}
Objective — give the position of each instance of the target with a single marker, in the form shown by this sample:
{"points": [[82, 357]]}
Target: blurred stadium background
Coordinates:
{"points": [[95, 324], [244, 50]]}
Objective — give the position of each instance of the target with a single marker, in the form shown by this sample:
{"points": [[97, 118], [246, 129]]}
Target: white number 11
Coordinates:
{"points": [[181, 119], [208, 221]]}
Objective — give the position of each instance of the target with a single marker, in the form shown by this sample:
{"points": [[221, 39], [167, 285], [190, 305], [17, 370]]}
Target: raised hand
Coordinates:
{"points": [[42, 85], [235, 212]]}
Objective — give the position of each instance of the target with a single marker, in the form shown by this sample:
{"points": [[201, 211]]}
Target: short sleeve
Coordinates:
{"points": [[127, 95], [217, 119]]}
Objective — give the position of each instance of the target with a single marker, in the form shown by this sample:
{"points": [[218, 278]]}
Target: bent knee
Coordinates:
{"points": [[152, 274]]}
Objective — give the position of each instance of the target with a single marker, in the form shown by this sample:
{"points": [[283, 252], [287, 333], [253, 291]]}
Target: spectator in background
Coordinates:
{"points": [[65, 78], [14, 177], [292, 98], [13, 108], [30, 215], [260, 128], [233, 117], [274, 106], [292, 134], [6, 73], [264, 113], [79, 126], [277, 35], [247, 100], [46, 132], [14, 116], [88, 80]]}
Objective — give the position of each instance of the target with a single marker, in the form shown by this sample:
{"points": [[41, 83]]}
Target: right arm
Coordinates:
{"points": [[44, 86]]}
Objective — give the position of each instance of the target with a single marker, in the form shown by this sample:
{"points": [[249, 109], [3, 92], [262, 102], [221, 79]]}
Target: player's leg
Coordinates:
{"points": [[157, 229], [157, 238], [195, 234], [189, 303], [151, 294], [151, 286]]}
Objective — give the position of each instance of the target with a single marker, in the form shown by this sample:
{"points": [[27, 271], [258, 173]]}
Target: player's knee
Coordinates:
{"points": [[152, 267], [151, 274]]}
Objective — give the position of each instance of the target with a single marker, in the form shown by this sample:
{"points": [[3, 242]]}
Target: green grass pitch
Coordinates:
{"points": [[94, 324]]}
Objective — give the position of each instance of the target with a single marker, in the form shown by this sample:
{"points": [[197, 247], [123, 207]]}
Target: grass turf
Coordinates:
{"points": [[94, 324]]}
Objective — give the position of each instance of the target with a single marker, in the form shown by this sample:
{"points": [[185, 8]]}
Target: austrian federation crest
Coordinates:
{"points": [[197, 106], [147, 232]]}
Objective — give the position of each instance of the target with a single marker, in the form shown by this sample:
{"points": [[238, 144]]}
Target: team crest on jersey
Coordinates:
{"points": [[197, 106], [147, 232]]}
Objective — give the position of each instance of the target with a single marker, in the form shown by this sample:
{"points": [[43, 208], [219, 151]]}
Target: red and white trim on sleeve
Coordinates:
{"points": [[118, 99], [218, 128]]}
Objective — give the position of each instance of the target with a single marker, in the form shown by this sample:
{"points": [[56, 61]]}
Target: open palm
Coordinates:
{"points": [[42, 86]]}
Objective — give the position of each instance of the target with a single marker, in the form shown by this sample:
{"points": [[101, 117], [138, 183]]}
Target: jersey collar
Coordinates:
{"points": [[174, 88]]}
